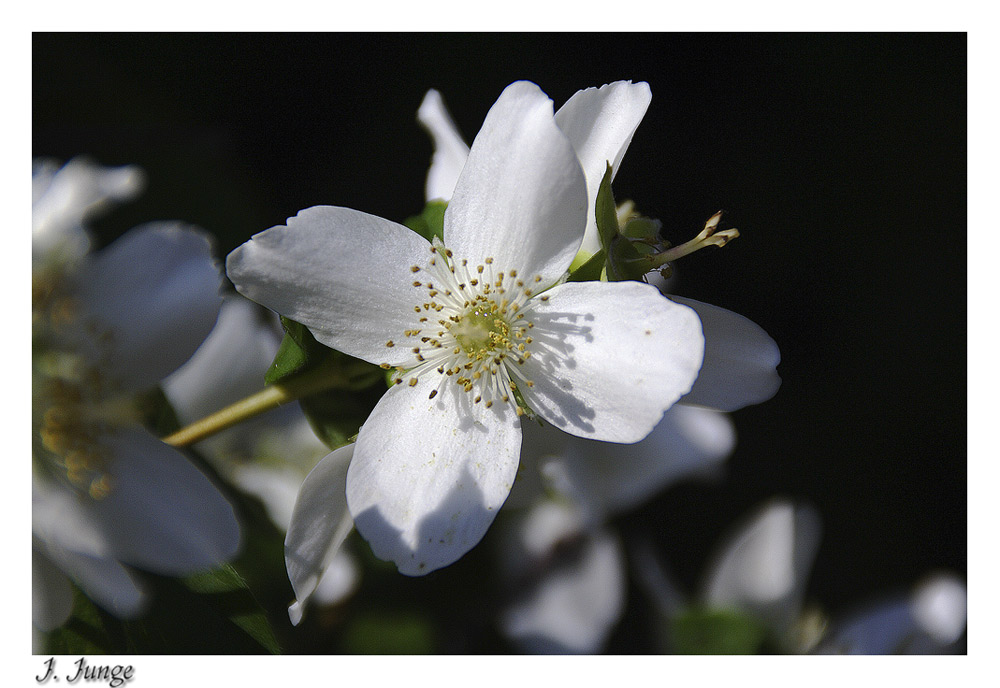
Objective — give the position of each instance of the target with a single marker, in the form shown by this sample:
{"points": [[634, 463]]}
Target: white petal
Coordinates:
{"points": [[104, 580], [319, 524], [229, 365], [879, 629], [521, 198], [609, 358], [342, 273], [570, 603], [51, 594], [930, 621], [428, 476], [687, 441], [60, 519], [940, 608], [339, 580], [763, 568], [63, 198], [155, 292], [276, 486], [740, 360], [163, 514], [450, 151], [600, 122]]}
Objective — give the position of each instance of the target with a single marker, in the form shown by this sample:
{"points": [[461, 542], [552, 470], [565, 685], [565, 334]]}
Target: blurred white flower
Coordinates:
{"points": [[930, 620], [564, 566], [763, 567], [106, 494], [63, 197], [761, 571], [480, 331]]}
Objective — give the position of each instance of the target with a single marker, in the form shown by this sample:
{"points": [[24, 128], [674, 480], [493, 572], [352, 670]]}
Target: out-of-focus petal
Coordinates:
{"points": [[104, 580], [931, 620], [572, 593], [342, 273], [763, 568], [163, 514], [687, 441], [521, 199], [740, 360], [318, 526], [151, 298], [940, 608], [229, 365], [64, 197], [609, 358], [429, 475], [339, 580], [450, 150], [51, 594]]}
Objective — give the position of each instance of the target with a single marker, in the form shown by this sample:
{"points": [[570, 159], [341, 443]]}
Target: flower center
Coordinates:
{"points": [[68, 423], [481, 330], [474, 329], [72, 410]]}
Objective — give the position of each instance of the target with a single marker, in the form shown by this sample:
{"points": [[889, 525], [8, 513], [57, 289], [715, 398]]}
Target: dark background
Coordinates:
{"points": [[840, 157]]}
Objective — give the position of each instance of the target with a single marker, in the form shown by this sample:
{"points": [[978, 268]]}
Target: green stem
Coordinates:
{"points": [[270, 397]]}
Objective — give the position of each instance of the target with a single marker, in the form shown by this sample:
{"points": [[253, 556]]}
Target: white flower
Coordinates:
{"points": [[930, 620], [476, 327], [106, 493]]}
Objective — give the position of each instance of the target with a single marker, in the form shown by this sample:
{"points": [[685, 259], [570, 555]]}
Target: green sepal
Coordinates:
{"points": [[298, 350], [606, 213], [430, 222], [300, 353], [625, 261], [644, 228], [716, 632], [589, 271]]}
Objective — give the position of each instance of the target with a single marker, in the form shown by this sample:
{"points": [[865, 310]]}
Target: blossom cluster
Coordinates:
{"points": [[526, 364]]}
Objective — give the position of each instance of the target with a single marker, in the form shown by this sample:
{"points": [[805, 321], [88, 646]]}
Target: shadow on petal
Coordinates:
{"points": [[443, 536]]}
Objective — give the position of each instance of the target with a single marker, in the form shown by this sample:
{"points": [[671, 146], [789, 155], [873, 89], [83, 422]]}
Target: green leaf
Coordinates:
{"points": [[716, 632], [606, 213], [430, 222], [212, 612], [229, 594]]}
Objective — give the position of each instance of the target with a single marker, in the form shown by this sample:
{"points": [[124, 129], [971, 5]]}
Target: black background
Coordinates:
{"points": [[840, 157]]}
